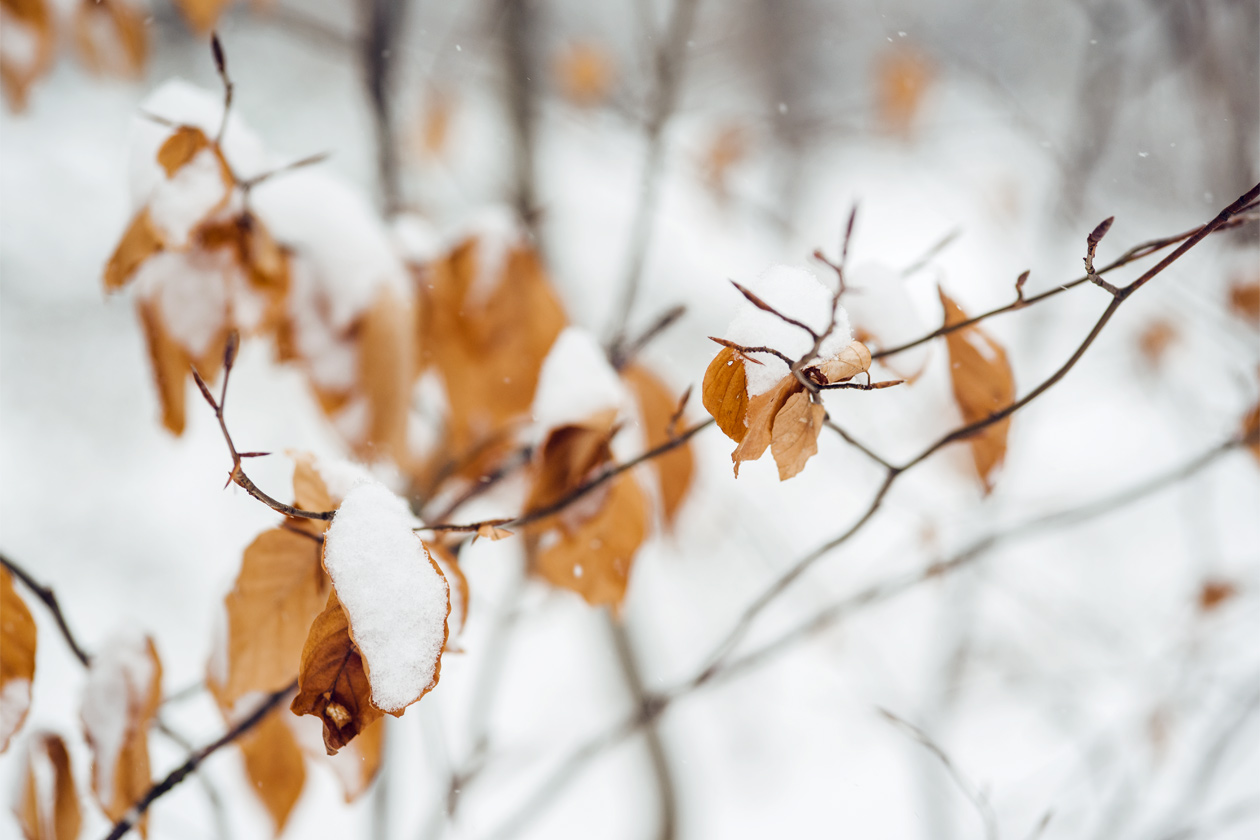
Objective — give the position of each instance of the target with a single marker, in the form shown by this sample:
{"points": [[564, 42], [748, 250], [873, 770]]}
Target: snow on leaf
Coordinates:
{"points": [[585, 73], [385, 373], [280, 590], [140, 241], [111, 37], [795, 435], [121, 697], [1244, 300], [17, 659], [568, 456], [332, 682], [26, 49], [657, 407], [1251, 430], [983, 384], [593, 557], [395, 598], [180, 148], [725, 393], [49, 804]]}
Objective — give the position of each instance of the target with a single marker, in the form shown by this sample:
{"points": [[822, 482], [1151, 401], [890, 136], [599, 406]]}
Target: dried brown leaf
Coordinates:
{"points": [[491, 531], [180, 147], [281, 589], [26, 52], [202, 15], [1251, 430], [725, 393], [49, 808], [848, 363], [120, 755], [1244, 300], [1213, 593], [309, 490], [795, 433], [332, 681], [111, 37], [983, 384], [568, 456], [1154, 341], [274, 766], [385, 374], [359, 762], [657, 406], [139, 242], [762, 409], [727, 148], [585, 73], [594, 557], [171, 365], [17, 659]]}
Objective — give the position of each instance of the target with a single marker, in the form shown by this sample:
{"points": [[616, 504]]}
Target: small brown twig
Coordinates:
{"points": [[220, 66], [748, 351], [238, 476], [194, 761], [49, 599], [576, 493], [765, 307]]}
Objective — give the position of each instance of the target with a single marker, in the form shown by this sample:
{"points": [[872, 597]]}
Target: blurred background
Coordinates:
{"points": [[1080, 681]]}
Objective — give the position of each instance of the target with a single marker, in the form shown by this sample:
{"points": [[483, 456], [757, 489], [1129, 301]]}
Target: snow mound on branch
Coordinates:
{"points": [[576, 382], [797, 293], [119, 681], [396, 601]]}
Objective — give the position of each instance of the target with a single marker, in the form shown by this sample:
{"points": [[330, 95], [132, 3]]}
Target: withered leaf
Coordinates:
{"points": [[17, 659], [282, 587], [1213, 593], [795, 433], [594, 557], [385, 374], [585, 73], [139, 242], [1251, 430], [122, 696], [332, 681], [181, 147], [762, 409], [357, 765], [1244, 300], [49, 808], [567, 457], [903, 76], [26, 53], [274, 765], [1155, 340], [727, 148], [725, 393], [436, 124], [657, 406], [983, 384], [848, 363], [490, 531], [111, 37], [309, 490], [202, 15], [171, 365]]}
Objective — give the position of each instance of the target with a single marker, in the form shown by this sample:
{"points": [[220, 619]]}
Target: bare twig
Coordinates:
{"points": [[383, 23], [748, 351], [765, 307], [830, 424], [220, 66], [969, 790], [194, 761], [237, 476], [931, 253], [49, 599]]}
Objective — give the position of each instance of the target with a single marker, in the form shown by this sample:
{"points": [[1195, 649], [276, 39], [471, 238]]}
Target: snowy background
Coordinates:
{"points": [[1068, 674]]}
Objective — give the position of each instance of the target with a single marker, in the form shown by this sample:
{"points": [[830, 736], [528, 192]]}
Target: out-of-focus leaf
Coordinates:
{"points": [[725, 393], [180, 147], [171, 366], [727, 148], [1251, 430], [273, 763], [795, 434], [332, 682], [902, 78], [657, 406], [585, 73], [458, 583], [17, 659], [49, 804], [568, 456], [983, 384], [139, 242], [111, 37], [762, 409]]}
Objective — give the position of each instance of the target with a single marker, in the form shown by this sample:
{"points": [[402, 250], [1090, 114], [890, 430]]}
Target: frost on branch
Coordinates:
{"points": [[983, 384], [48, 807], [17, 659], [121, 697], [377, 646], [754, 395]]}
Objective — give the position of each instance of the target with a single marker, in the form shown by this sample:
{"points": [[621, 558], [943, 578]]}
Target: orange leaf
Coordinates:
{"points": [[357, 765], [49, 807], [281, 589], [795, 434], [492, 532], [725, 393], [902, 78], [332, 682], [983, 384], [181, 147], [727, 148], [273, 763], [1251, 430], [26, 51], [1213, 593], [17, 659], [385, 374], [568, 456], [585, 73], [171, 366], [140, 242], [309, 490], [594, 557], [111, 37], [657, 406], [435, 127], [122, 695], [1155, 340], [847, 364], [202, 15], [1244, 300], [762, 409]]}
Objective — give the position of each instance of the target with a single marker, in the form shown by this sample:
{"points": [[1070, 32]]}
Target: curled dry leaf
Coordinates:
{"points": [[49, 804], [485, 327], [17, 659], [449, 564], [181, 147], [140, 241], [848, 363], [657, 407], [902, 78], [111, 37], [725, 393], [1213, 593], [332, 682], [274, 766], [202, 15], [795, 436], [983, 384], [1251, 431], [122, 696]]}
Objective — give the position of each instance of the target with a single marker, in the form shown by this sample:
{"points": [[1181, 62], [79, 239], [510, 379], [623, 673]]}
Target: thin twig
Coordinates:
{"points": [[49, 598], [220, 66], [633, 347], [849, 439], [969, 790], [194, 761]]}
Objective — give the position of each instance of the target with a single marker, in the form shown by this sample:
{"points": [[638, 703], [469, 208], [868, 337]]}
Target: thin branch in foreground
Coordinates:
{"points": [[49, 599], [973, 793], [238, 476], [194, 761]]}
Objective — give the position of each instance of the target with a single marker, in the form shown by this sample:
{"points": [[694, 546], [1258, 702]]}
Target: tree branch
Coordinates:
{"points": [[49, 598]]}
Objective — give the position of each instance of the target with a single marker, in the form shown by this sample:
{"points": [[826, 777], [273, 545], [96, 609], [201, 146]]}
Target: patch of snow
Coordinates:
{"points": [[341, 476], [797, 293], [576, 382], [15, 702], [879, 304], [180, 203], [396, 601], [119, 683], [190, 293]]}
